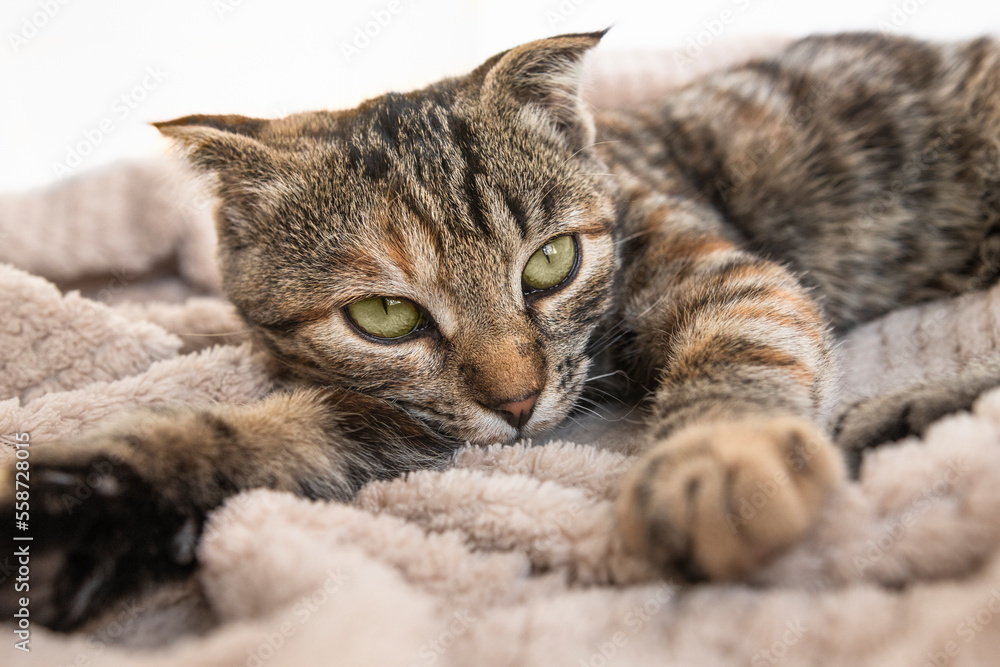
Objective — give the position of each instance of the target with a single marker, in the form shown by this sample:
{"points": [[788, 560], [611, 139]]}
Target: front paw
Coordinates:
{"points": [[718, 502], [98, 531]]}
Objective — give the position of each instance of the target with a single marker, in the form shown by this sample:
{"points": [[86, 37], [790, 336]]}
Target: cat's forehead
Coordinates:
{"points": [[412, 238], [453, 241], [459, 169], [420, 193]]}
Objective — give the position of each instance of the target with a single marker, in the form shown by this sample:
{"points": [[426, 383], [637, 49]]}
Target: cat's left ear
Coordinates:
{"points": [[249, 179], [217, 143], [545, 74]]}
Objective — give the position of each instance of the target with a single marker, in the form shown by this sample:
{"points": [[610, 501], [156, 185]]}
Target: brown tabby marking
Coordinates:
{"points": [[723, 234]]}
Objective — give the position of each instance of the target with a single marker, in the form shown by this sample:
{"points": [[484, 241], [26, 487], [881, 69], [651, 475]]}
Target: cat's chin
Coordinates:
{"points": [[482, 433], [511, 436], [502, 436], [505, 435], [487, 428]]}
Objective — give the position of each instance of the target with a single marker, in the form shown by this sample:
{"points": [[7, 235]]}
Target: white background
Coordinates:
{"points": [[66, 65]]}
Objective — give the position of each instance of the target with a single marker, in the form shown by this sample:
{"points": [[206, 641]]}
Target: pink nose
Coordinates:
{"points": [[517, 413]]}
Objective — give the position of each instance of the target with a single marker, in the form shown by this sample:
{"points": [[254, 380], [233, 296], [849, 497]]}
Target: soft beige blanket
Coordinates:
{"points": [[509, 557]]}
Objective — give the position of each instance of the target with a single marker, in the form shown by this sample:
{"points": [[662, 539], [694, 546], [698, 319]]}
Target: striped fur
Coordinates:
{"points": [[725, 233]]}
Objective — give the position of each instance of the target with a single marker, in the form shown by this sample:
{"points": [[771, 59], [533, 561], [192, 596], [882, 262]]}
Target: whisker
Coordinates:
{"points": [[636, 235], [591, 145], [606, 345], [600, 345], [606, 418], [573, 155], [593, 409], [635, 406], [224, 333], [605, 396], [616, 331], [605, 375]]}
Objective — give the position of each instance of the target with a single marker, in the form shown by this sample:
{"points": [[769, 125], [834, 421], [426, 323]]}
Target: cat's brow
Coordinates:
{"points": [[290, 325]]}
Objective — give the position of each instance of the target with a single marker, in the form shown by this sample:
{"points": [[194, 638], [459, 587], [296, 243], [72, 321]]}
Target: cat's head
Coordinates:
{"points": [[450, 249]]}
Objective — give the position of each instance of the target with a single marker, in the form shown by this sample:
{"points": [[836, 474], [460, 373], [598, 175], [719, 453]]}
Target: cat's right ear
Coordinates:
{"points": [[546, 75]]}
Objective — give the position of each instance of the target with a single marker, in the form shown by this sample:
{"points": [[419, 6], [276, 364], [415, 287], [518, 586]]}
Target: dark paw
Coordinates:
{"points": [[872, 422], [99, 533]]}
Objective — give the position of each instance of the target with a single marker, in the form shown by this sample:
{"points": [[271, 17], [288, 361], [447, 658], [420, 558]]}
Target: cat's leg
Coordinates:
{"points": [[737, 468], [909, 411], [115, 510]]}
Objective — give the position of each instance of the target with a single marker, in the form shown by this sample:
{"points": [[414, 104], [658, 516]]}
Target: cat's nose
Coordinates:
{"points": [[517, 413]]}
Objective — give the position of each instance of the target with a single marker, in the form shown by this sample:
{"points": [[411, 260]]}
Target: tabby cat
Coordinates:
{"points": [[453, 264]]}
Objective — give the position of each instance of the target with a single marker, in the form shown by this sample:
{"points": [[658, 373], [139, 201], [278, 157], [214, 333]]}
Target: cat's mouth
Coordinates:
{"points": [[526, 418], [546, 412], [473, 422], [485, 426]]}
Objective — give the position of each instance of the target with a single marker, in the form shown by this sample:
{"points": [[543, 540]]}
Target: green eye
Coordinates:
{"points": [[551, 263], [385, 317]]}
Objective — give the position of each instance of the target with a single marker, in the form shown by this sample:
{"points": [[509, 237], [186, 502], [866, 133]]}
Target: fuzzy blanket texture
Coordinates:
{"points": [[110, 302]]}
